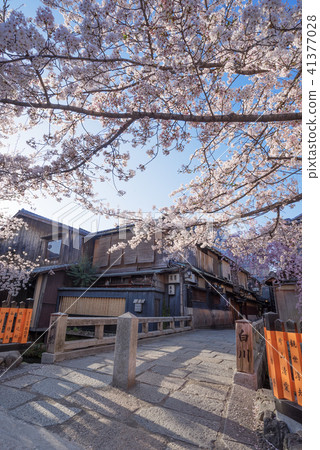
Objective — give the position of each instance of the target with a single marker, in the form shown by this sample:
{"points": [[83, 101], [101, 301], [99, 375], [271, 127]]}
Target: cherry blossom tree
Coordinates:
{"points": [[266, 249], [161, 76], [15, 269]]}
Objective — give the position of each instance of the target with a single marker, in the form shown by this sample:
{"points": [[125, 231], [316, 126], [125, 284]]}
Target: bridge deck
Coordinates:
{"points": [[184, 398]]}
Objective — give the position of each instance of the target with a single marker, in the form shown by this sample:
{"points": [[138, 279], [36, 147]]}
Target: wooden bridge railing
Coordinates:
{"points": [[284, 352], [59, 349], [15, 321]]}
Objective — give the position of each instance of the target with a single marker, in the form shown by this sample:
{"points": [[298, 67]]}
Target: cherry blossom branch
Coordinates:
{"points": [[135, 115]]}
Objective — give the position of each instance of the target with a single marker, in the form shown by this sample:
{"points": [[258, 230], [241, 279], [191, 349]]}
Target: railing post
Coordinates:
{"points": [[124, 369], [57, 332], [244, 346], [99, 331]]}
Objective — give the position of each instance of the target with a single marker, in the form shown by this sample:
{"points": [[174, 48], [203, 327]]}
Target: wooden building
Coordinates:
{"points": [[140, 280], [58, 246], [147, 283]]}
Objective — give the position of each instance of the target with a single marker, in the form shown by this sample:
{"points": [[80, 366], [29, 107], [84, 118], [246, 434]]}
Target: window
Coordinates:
{"points": [[53, 249]]}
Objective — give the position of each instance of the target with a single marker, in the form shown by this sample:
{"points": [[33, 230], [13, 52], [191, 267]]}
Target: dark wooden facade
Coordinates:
{"points": [[39, 233], [208, 285], [56, 246]]}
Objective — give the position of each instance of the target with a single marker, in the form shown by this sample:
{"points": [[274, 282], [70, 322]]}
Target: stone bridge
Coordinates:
{"points": [[184, 398]]}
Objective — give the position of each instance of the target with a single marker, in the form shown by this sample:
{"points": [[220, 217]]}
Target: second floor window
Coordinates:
{"points": [[53, 249]]}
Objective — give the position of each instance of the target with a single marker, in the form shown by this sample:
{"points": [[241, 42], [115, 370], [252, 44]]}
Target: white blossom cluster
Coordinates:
{"points": [[15, 269]]}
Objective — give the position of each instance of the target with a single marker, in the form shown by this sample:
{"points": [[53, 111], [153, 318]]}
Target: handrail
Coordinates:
{"points": [[57, 344]]}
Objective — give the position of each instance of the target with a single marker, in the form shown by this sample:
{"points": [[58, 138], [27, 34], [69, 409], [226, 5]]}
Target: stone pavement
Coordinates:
{"points": [[184, 398]]}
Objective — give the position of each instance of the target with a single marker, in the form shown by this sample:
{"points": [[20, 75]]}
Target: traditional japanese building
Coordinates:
{"points": [[148, 283], [57, 246], [206, 284]]}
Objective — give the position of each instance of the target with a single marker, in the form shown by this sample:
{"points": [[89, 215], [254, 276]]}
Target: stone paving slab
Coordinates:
{"points": [[152, 354], [180, 446], [148, 393], [155, 379], [210, 376], [167, 361], [11, 398], [93, 431], [167, 370], [23, 381], [212, 391], [54, 388], [232, 445], [142, 365], [44, 413], [185, 360], [52, 371], [110, 402], [195, 405], [18, 435], [24, 368], [88, 378], [105, 369], [190, 429], [89, 362], [240, 416]]}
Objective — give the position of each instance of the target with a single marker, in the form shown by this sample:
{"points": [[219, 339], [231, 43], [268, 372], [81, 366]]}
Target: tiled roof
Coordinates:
{"points": [[43, 269], [32, 215]]}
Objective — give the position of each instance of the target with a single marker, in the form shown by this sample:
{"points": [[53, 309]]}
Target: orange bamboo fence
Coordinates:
{"points": [[15, 322], [284, 353]]}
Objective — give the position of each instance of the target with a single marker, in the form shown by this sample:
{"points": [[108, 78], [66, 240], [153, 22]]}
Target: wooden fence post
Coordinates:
{"points": [[4, 313], [8, 332], [244, 346], [272, 354], [99, 331], [284, 361], [57, 332], [294, 340], [26, 321]]}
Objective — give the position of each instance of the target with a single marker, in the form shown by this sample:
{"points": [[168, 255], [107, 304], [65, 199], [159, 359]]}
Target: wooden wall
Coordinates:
{"points": [[226, 270], [243, 279], [128, 258], [96, 306], [287, 299], [30, 240]]}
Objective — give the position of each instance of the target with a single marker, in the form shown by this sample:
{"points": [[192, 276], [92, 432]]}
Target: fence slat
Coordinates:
{"points": [[295, 340], [4, 312], [8, 332], [284, 356], [19, 322], [286, 377], [272, 354], [26, 322]]}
